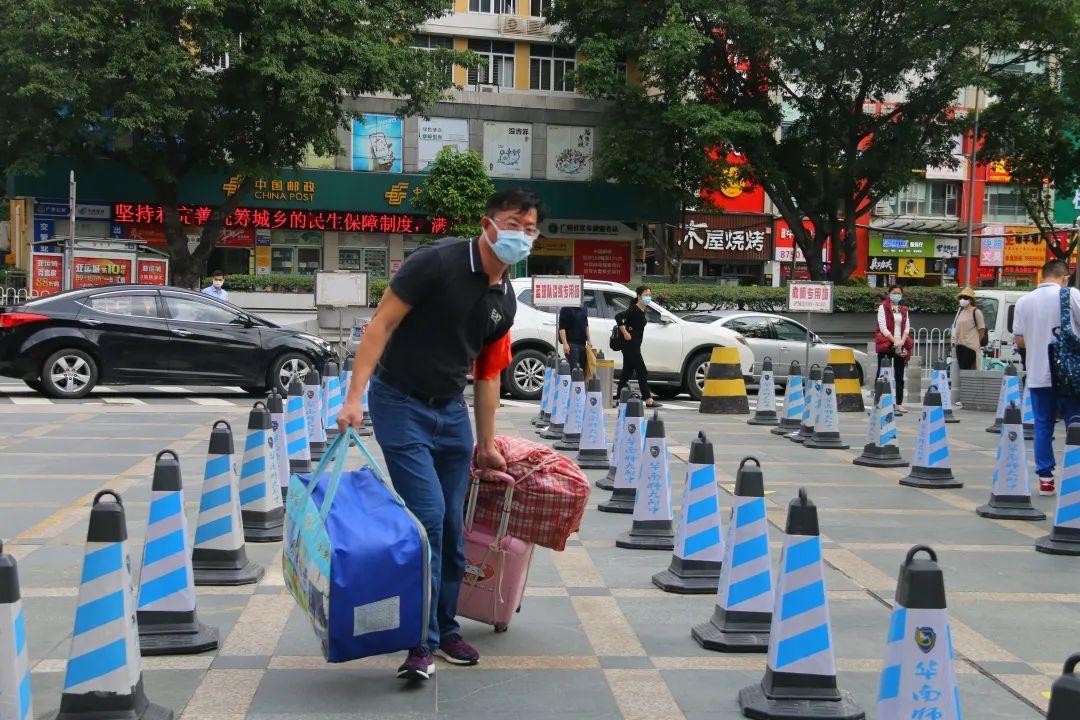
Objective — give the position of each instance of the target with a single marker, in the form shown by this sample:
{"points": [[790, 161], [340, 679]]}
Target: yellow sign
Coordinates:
{"points": [[397, 193], [1025, 251], [232, 185], [553, 247], [279, 189], [733, 185], [262, 259], [911, 267], [996, 172]]}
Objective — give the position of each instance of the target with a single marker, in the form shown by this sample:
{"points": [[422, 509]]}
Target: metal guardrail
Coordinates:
{"points": [[932, 344], [14, 296]]}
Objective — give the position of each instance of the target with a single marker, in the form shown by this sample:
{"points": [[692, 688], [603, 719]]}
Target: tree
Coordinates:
{"points": [[859, 94], [457, 188], [174, 86]]}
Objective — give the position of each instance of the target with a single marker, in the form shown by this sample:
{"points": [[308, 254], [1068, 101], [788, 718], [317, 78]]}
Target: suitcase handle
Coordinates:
{"points": [[508, 498]]}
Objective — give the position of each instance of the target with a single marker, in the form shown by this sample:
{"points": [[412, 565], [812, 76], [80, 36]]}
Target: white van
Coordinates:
{"points": [[997, 308]]}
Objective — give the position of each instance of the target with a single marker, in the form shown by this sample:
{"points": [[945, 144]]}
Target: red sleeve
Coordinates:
{"points": [[493, 359]]}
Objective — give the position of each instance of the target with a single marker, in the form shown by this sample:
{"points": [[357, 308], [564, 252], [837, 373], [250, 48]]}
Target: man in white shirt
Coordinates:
{"points": [[1034, 320], [215, 290]]}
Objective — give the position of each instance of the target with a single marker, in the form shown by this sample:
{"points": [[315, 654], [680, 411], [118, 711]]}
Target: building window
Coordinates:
{"points": [[551, 68], [499, 7], [496, 63], [540, 8], [435, 42], [927, 199], [1003, 203]]}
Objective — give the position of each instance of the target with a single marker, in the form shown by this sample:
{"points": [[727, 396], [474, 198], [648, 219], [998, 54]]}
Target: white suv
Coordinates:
{"points": [[676, 352]]}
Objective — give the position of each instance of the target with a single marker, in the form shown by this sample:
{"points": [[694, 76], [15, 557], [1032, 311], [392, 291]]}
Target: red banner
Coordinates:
{"points": [[153, 272], [97, 271], [600, 260], [46, 273], [236, 237]]}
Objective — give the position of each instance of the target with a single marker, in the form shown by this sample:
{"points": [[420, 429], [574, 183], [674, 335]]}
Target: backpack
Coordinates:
{"points": [[1064, 351], [616, 341]]}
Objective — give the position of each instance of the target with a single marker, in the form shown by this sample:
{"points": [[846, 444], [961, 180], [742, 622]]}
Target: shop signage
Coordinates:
{"points": [[552, 247], [153, 272], [437, 133], [732, 193], [44, 230], [902, 246], [61, 210], [589, 229], [602, 260], [810, 296], [992, 246], [569, 152], [943, 172], [698, 234], [947, 248], [551, 291], [507, 149], [911, 267], [728, 236], [997, 172], [1024, 251], [398, 192], [269, 219], [883, 266], [785, 243]]}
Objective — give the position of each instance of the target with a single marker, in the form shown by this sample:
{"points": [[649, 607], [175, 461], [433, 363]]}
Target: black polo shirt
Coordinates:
{"points": [[456, 312]]}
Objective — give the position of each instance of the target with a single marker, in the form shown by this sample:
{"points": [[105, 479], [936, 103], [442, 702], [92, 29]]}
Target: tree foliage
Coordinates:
{"points": [[146, 84], [457, 188]]}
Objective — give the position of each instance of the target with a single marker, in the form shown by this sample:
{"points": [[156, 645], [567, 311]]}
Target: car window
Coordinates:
{"points": [[525, 297], [751, 327], [989, 308], [189, 310], [1008, 319], [617, 303], [787, 330], [142, 305]]}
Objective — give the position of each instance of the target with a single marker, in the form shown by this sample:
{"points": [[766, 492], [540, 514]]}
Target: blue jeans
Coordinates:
{"points": [[428, 451], [1046, 406]]}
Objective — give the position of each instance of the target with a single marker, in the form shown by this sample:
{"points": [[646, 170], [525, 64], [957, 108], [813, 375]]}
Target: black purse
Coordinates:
{"points": [[616, 340]]}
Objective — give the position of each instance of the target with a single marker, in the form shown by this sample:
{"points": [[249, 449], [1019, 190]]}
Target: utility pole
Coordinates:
{"points": [[971, 191], [69, 244]]}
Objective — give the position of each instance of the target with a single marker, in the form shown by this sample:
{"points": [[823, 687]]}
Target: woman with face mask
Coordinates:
{"points": [[632, 324], [969, 331], [892, 339]]}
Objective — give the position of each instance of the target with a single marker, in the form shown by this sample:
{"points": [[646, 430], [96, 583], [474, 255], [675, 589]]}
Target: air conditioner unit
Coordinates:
{"points": [[536, 27], [486, 88], [510, 25], [883, 208]]}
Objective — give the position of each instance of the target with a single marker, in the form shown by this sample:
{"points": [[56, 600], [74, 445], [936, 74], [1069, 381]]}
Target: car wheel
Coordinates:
{"points": [[695, 375], [68, 374], [285, 368], [526, 376]]}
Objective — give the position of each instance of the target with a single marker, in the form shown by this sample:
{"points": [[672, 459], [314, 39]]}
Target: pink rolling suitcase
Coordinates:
{"points": [[496, 564]]}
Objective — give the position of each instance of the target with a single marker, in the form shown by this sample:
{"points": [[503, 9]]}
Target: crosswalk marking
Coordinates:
{"points": [[170, 389], [30, 400], [123, 401], [211, 401]]}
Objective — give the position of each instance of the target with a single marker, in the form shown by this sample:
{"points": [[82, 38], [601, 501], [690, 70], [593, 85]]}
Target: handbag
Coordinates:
{"points": [[1064, 351], [355, 559], [590, 362], [617, 339]]}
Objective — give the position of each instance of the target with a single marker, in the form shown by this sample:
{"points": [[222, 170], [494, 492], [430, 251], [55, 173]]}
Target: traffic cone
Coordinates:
{"points": [[104, 670], [653, 526], [848, 390], [608, 481], [793, 402], [297, 446], [15, 697], [219, 557], [886, 372], [918, 678], [725, 389], [699, 543], [1010, 496], [593, 450], [575, 413], [313, 411], [743, 614], [560, 402], [332, 399], [939, 376], [281, 452], [1064, 538], [800, 674], [346, 376], [765, 412], [813, 391], [261, 507], [541, 419], [630, 463], [1065, 693], [932, 467], [880, 449], [827, 426], [1009, 394], [168, 621], [1027, 413]]}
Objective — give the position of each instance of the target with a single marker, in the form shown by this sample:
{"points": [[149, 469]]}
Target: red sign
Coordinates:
{"points": [[97, 271], [237, 237], [46, 273], [785, 242], [153, 272], [258, 218], [733, 193], [600, 260], [152, 235]]}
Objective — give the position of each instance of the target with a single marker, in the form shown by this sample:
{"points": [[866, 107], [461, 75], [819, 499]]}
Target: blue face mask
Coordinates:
{"points": [[510, 246], [646, 300], [896, 298]]}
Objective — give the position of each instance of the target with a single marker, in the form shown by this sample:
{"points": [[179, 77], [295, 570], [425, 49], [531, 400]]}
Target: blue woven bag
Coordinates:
{"points": [[1065, 353]]}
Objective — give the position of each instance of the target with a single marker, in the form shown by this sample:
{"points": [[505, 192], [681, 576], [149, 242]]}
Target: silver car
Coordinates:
{"points": [[779, 338]]}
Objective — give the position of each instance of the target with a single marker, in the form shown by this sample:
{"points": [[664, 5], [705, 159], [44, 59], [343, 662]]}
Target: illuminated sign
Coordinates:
{"points": [[267, 219]]}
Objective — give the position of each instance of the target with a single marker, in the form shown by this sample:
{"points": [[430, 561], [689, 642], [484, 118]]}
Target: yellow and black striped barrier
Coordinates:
{"points": [[849, 396], [725, 389]]}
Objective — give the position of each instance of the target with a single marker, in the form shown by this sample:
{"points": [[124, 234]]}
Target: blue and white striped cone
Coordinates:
{"points": [[1065, 693], [794, 397], [560, 404], [550, 365], [104, 670], [220, 556], [276, 406], [368, 422], [1009, 395], [332, 399], [699, 543], [593, 448], [630, 462], [765, 412], [827, 424], [1027, 412], [1064, 538], [608, 481], [932, 467], [261, 508], [939, 376], [885, 372], [575, 413], [800, 673], [297, 446], [15, 696], [813, 391], [168, 621], [744, 597], [653, 526], [918, 679], [1010, 496], [313, 410], [346, 376], [881, 449]]}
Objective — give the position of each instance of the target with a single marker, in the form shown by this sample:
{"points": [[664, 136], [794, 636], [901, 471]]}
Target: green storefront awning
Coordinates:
{"points": [[1067, 207]]}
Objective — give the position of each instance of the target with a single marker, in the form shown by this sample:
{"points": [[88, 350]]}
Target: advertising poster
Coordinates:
{"points": [[376, 143], [508, 149], [992, 246], [153, 272], [1028, 251], [437, 133], [569, 152], [46, 273], [602, 260], [97, 271]]}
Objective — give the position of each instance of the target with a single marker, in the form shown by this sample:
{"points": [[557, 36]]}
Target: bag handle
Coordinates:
{"points": [[474, 492], [338, 451]]}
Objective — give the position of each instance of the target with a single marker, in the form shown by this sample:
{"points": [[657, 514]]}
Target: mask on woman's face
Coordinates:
{"points": [[896, 298], [646, 300], [964, 302]]}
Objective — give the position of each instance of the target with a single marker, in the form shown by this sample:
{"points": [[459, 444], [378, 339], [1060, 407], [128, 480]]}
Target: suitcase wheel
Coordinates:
{"points": [[518, 609], [499, 627]]}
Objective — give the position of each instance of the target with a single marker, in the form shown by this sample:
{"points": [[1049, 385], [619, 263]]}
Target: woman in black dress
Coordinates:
{"points": [[632, 324]]}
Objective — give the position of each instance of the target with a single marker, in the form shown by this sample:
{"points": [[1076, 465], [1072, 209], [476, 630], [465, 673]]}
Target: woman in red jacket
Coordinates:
{"points": [[892, 339]]}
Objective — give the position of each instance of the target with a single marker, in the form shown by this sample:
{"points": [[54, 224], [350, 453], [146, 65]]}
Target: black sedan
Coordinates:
{"points": [[63, 345]]}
